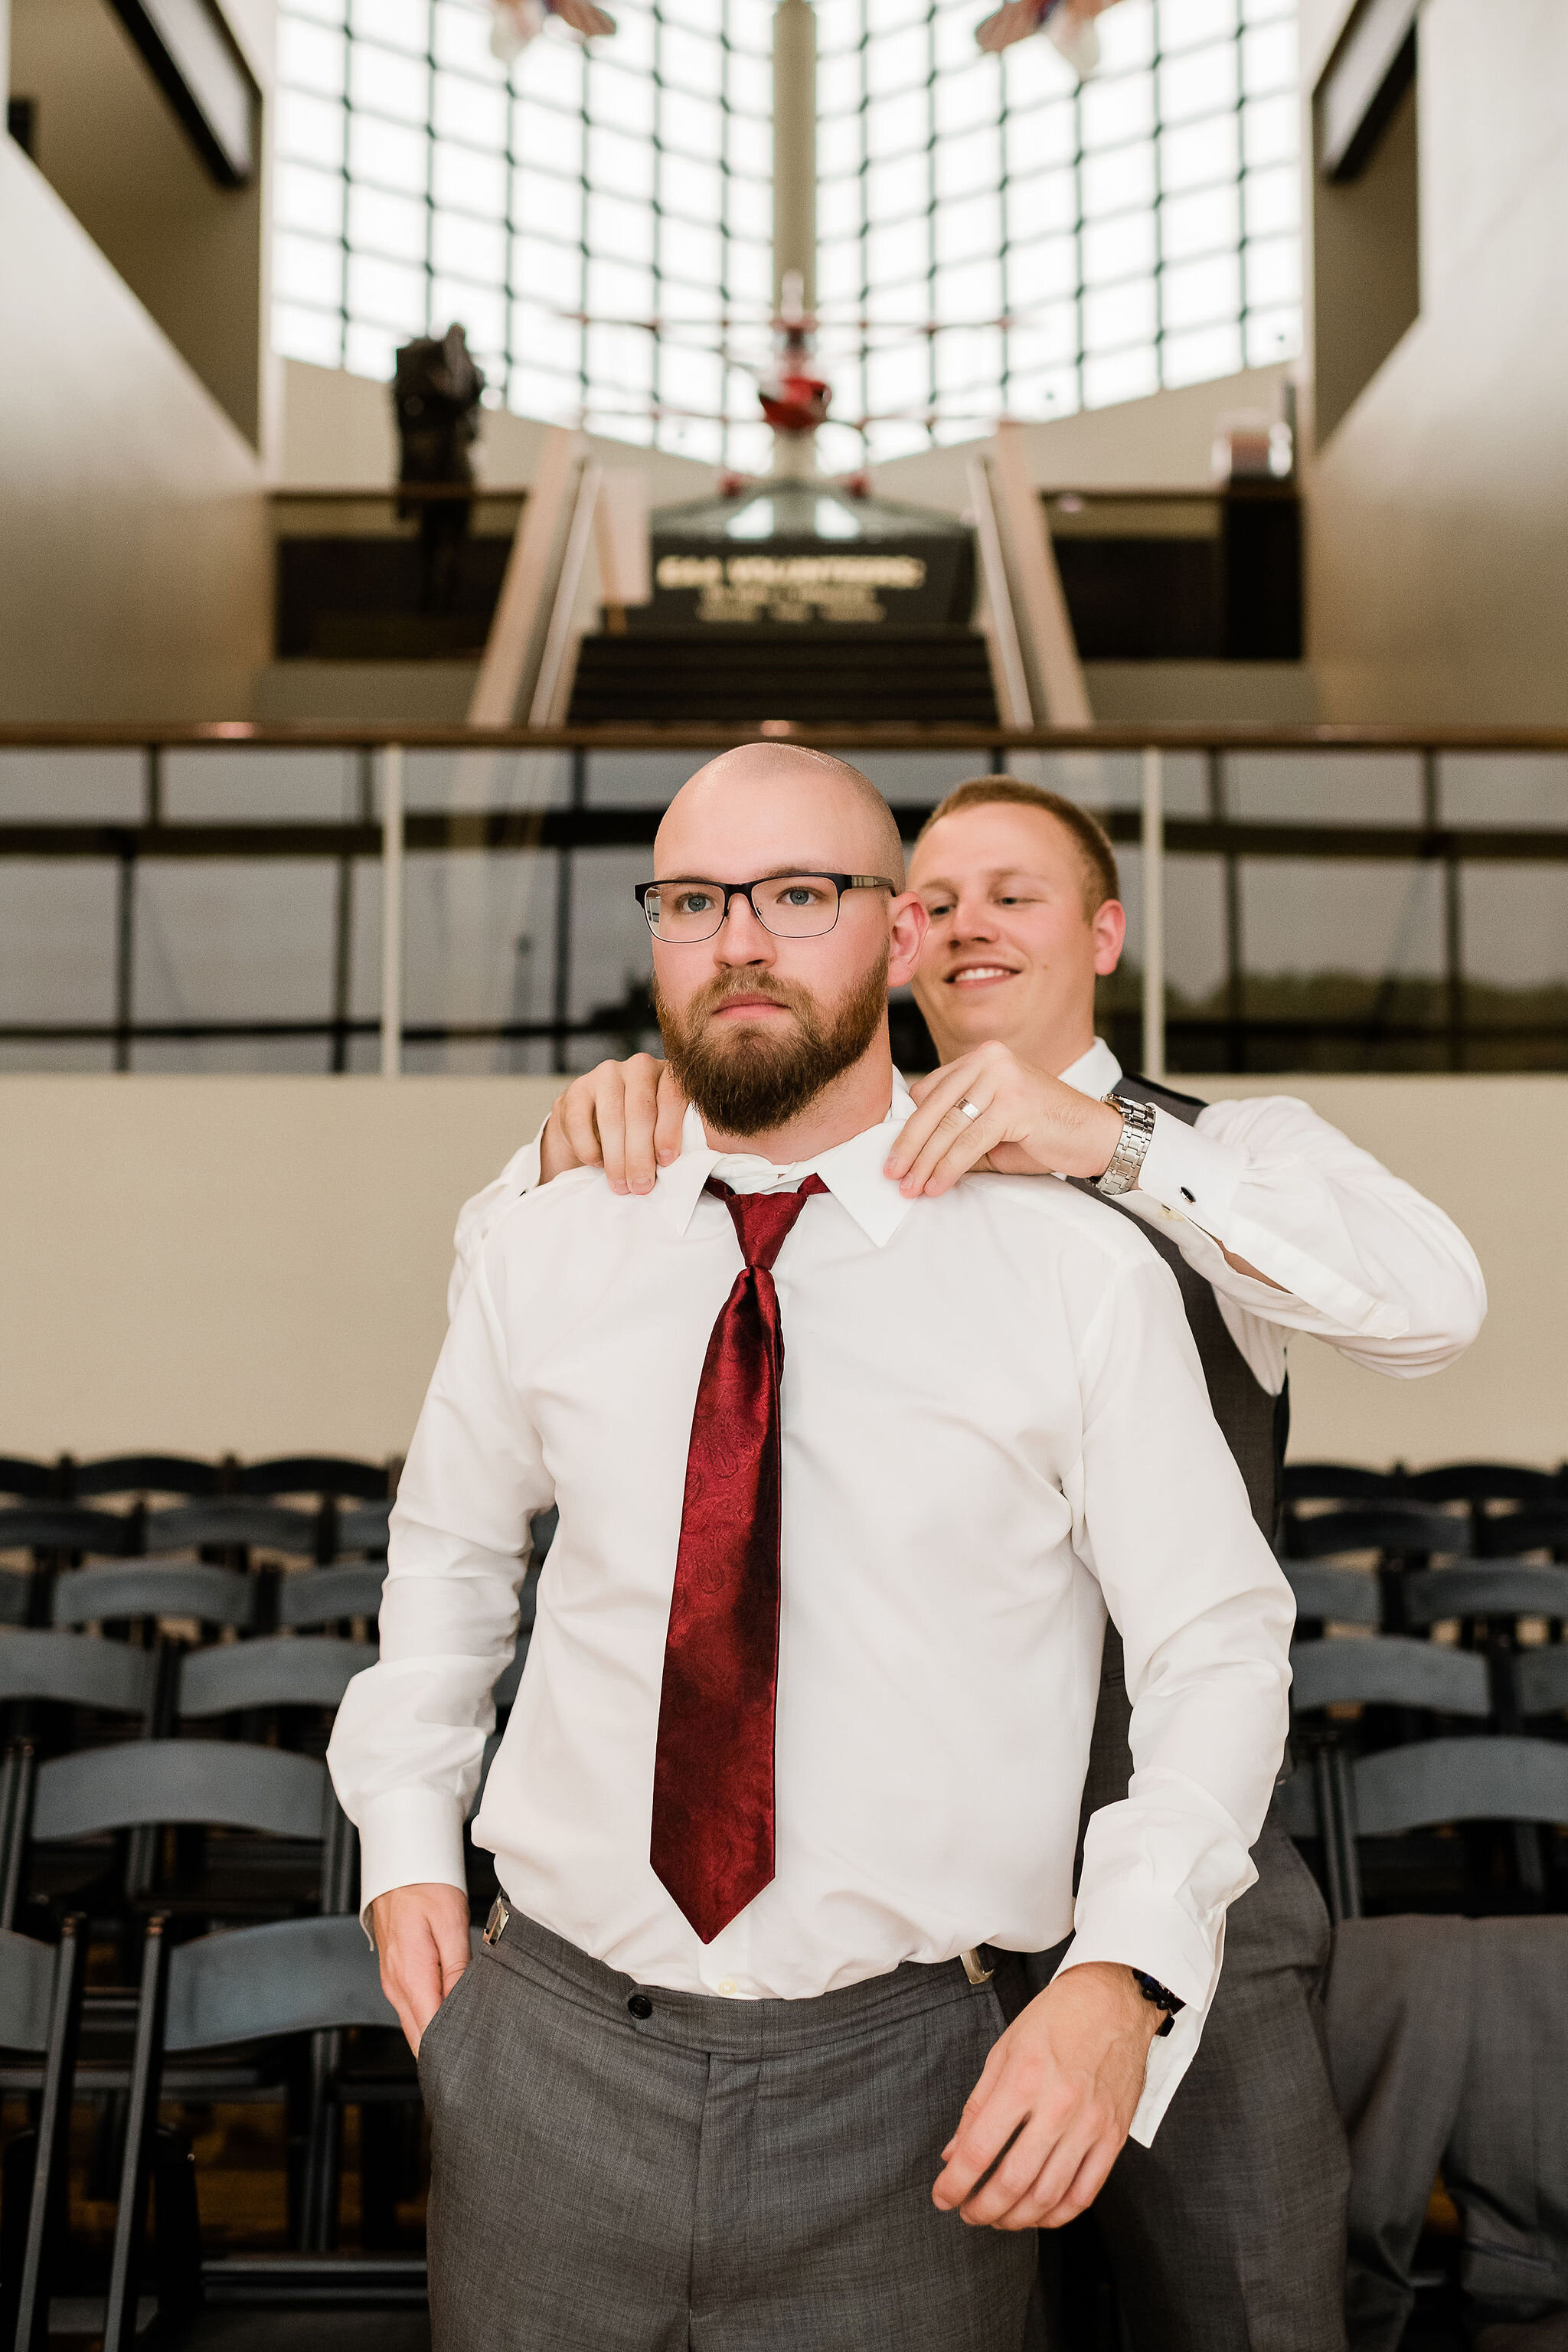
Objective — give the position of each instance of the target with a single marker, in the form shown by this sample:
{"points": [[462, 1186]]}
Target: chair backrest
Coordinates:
{"points": [[1338, 1596], [1498, 1588], [1437, 1780], [314, 1474], [1541, 1679], [296, 1976], [65, 1527], [226, 1521], [1394, 1530], [276, 1671], [1540, 1526], [79, 1671], [143, 1473], [363, 1530], [1481, 1482], [325, 1596], [216, 1596], [32, 1482], [26, 1990], [216, 1782], [1339, 1482], [1390, 1671]]}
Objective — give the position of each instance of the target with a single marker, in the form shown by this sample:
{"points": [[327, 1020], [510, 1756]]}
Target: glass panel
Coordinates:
{"points": [[612, 957], [1503, 788], [1324, 788], [1514, 929], [233, 785], [222, 940], [479, 950], [1351, 950], [66, 787], [57, 932]]}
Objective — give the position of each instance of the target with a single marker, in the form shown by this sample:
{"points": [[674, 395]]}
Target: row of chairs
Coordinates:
{"points": [[51, 1536], [210, 2018], [65, 1480], [1478, 1488], [1438, 1822]]}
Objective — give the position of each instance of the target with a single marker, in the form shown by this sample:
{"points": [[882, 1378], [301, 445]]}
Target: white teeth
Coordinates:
{"points": [[983, 972]]}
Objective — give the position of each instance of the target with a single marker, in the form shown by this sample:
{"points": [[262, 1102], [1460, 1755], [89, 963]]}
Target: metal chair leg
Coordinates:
{"points": [[47, 2209], [141, 2120]]}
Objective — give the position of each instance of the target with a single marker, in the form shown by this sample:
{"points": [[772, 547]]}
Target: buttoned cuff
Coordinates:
{"points": [[1190, 1174], [1161, 1940], [409, 1837]]}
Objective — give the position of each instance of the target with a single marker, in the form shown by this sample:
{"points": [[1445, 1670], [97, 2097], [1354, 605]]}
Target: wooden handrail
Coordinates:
{"points": [[328, 735], [386, 493]]}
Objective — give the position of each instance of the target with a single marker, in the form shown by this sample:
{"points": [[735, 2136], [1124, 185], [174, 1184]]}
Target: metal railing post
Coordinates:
{"points": [[391, 910], [1154, 912]]}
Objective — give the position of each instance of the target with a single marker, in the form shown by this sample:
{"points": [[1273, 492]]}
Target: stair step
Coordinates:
{"points": [[913, 676]]}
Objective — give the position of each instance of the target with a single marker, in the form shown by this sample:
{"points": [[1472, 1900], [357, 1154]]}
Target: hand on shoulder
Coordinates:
{"points": [[623, 1117], [1025, 1123]]}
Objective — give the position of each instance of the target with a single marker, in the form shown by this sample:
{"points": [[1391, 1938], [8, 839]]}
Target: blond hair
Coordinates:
{"points": [[1096, 855]]}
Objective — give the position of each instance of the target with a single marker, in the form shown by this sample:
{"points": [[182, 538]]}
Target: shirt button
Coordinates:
{"points": [[727, 1985], [640, 2005]]}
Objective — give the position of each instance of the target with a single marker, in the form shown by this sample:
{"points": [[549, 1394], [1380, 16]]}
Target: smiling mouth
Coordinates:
{"points": [[980, 975]]}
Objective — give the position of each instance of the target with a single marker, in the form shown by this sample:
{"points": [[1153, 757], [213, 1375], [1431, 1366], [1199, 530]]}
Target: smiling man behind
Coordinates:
{"points": [[848, 1482]]}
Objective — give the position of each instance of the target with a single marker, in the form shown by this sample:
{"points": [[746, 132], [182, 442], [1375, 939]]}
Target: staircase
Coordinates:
{"points": [[865, 676]]}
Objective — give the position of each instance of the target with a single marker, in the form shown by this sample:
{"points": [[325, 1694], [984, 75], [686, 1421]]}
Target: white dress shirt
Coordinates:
{"points": [[994, 1427], [1361, 1259]]}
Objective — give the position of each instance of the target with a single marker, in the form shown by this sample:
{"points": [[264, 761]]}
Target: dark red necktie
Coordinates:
{"points": [[712, 1842]]}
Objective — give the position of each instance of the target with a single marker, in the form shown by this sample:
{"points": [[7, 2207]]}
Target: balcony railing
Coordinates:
{"points": [[345, 897]]}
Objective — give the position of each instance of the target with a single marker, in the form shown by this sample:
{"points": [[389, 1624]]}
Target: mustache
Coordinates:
{"points": [[725, 986]]}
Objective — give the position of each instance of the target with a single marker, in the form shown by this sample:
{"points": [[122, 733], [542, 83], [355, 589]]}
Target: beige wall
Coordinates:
{"points": [[136, 581], [1163, 442], [337, 433], [108, 141], [1436, 585], [260, 1263]]}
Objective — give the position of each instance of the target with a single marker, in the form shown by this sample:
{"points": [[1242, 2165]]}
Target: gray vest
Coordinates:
{"points": [[1255, 1425]]}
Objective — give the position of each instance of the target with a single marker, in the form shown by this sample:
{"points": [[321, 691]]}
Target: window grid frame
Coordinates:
{"points": [[734, 335]]}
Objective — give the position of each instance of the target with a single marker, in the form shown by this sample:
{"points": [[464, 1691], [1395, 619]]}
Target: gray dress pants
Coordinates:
{"points": [[1448, 2039], [1228, 2234], [620, 2169]]}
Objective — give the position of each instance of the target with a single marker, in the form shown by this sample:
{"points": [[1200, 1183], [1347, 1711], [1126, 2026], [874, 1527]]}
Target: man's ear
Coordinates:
{"points": [[1109, 925], [907, 923]]}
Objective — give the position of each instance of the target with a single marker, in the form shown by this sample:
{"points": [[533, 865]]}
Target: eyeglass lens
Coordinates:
{"points": [[792, 906]]}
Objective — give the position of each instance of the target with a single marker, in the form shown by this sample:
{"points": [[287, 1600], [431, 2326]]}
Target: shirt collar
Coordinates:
{"points": [[1095, 1073], [852, 1172]]}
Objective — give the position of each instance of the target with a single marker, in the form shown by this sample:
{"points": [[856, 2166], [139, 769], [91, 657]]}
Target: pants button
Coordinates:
{"points": [[640, 2005]]}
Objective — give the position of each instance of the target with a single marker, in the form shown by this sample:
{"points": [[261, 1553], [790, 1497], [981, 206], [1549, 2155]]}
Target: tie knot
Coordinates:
{"points": [[761, 1220]]}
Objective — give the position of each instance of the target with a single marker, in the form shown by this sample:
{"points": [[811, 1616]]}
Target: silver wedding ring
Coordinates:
{"points": [[970, 1110]]}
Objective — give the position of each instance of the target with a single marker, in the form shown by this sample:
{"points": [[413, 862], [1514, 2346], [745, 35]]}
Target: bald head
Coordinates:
{"points": [[802, 808]]}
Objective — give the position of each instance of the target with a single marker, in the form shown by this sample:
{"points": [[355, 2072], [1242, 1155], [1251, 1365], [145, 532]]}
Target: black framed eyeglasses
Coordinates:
{"points": [[790, 905]]}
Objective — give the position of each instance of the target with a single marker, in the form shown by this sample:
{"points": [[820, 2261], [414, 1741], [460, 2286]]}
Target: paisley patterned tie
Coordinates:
{"points": [[713, 1842]]}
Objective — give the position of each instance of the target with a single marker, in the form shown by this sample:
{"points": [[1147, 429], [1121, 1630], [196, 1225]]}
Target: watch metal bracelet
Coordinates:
{"points": [[1137, 1134]]}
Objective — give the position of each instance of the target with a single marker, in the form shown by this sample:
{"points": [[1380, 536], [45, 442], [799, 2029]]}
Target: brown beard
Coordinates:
{"points": [[753, 1081]]}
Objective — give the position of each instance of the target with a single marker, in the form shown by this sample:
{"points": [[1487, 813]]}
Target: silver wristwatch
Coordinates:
{"points": [[1137, 1134]]}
